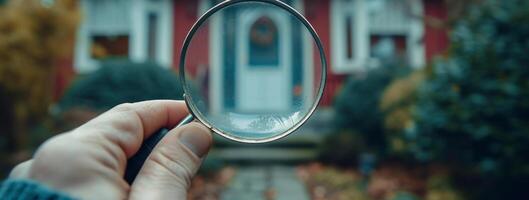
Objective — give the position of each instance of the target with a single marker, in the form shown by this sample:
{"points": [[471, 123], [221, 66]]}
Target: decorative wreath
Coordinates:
{"points": [[263, 31]]}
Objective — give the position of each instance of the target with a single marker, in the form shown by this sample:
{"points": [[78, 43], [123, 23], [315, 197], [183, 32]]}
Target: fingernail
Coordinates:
{"points": [[196, 138]]}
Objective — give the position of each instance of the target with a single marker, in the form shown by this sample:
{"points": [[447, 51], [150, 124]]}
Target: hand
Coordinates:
{"points": [[89, 162]]}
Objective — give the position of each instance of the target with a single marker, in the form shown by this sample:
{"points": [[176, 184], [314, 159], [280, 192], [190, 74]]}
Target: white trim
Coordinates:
{"points": [[215, 60], [308, 46], [308, 61], [82, 61], [203, 6], [298, 5], [415, 44], [138, 13], [165, 40], [139, 37], [308, 71], [339, 9]]}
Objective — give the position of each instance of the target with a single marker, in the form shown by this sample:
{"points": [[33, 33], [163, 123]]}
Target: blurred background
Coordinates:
{"points": [[425, 99]]}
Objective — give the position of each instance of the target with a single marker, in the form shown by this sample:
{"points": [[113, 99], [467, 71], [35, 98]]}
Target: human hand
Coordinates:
{"points": [[89, 162]]}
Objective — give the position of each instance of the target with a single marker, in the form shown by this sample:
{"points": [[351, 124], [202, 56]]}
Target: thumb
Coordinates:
{"points": [[168, 171]]}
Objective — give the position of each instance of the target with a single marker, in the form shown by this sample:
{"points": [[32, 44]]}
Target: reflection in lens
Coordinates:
{"points": [[252, 71]]}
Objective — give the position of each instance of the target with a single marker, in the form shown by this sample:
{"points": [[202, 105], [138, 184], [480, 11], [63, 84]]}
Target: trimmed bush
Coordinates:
{"points": [[358, 120], [121, 82]]}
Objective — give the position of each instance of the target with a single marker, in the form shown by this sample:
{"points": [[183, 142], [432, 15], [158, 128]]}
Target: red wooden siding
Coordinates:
{"points": [[436, 38], [184, 16], [317, 12], [63, 77]]}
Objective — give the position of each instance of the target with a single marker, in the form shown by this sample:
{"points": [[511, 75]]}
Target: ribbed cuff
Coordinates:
{"points": [[26, 189]]}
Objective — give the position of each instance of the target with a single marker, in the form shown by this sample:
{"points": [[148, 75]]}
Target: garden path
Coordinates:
{"points": [[265, 182]]}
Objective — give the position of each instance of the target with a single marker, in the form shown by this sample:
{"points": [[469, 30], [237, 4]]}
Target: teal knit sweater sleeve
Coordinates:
{"points": [[26, 189]]}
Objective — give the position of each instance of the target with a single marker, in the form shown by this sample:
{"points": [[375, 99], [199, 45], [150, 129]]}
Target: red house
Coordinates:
{"points": [[355, 33]]}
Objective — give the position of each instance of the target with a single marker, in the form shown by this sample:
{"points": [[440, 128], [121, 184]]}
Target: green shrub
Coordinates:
{"points": [[358, 113], [474, 108], [473, 111], [357, 103], [342, 149], [120, 82], [403, 195]]}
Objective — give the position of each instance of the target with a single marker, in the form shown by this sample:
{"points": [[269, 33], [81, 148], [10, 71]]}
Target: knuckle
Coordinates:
{"points": [[56, 150], [128, 126], [128, 121], [53, 146], [19, 170], [174, 166], [124, 107]]}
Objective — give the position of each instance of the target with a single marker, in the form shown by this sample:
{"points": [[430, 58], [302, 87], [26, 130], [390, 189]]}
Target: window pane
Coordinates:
{"points": [[349, 36], [264, 43], [104, 46], [152, 22], [388, 46]]}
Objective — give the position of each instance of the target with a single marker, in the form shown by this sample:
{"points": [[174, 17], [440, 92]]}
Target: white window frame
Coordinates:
{"points": [[138, 35], [361, 60], [339, 11]]}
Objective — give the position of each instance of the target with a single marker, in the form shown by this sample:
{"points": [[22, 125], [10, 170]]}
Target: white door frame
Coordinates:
{"points": [[215, 49], [277, 78]]}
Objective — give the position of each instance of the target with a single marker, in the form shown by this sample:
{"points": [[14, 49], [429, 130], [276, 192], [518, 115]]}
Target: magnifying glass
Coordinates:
{"points": [[252, 71]]}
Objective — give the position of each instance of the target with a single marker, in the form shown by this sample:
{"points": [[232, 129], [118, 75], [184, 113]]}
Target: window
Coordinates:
{"points": [[264, 43], [349, 35], [138, 30], [365, 32]]}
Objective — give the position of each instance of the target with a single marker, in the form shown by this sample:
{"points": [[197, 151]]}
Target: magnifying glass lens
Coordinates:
{"points": [[253, 71]]}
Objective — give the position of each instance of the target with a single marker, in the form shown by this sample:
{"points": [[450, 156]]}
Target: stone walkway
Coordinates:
{"points": [[260, 182]]}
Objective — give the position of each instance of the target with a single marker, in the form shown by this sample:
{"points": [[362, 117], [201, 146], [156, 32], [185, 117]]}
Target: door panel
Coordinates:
{"points": [[264, 64]]}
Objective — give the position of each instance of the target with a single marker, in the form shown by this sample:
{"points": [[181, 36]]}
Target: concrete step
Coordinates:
{"points": [[264, 154], [299, 146]]}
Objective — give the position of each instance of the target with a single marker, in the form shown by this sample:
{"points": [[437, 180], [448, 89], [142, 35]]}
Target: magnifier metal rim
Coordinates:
{"points": [[195, 111]]}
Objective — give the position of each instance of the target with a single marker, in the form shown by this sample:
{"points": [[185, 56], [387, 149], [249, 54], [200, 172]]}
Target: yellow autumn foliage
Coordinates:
{"points": [[33, 38], [397, 101]]}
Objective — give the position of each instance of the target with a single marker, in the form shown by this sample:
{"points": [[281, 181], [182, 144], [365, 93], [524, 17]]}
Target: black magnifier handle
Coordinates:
{"points": [[135, 163]]}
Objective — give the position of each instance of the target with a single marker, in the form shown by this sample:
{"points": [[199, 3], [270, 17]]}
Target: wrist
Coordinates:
{"points": [[15, 189]]}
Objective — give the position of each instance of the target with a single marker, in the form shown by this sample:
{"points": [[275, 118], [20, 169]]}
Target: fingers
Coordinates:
{"points": [[169, 169], [77, 168], [93, 156], [127, 125], [114, 136], [21, 171]]}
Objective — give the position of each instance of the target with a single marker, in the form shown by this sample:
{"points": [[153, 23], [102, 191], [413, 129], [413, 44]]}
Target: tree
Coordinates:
{"points": [[397, 104], [473, 110], [33, 37]]}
